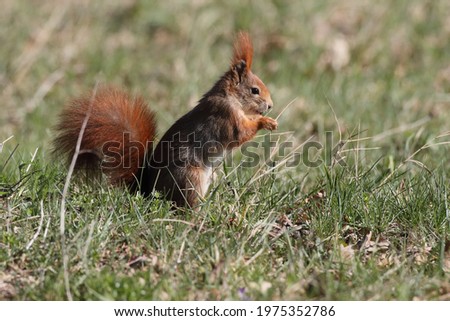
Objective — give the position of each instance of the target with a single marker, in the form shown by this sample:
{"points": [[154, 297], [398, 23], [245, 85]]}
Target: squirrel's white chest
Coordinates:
{"points": [[205, 180]]}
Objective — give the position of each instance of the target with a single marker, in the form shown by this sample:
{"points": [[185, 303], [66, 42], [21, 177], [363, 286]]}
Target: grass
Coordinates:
{"points": [[370, 78]]}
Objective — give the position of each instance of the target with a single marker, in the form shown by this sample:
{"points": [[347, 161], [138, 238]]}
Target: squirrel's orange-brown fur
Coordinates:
{"points": [[120, 132], [112, 114]]}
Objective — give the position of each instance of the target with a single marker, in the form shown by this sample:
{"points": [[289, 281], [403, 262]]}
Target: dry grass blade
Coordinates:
{"points": [[285, 108], [32, 160], [62, 213], [3, 142], [38, 231]]}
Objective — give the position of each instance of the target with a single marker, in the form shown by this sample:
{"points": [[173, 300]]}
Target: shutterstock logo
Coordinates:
{"points": [[311, 153], [189, 150]]}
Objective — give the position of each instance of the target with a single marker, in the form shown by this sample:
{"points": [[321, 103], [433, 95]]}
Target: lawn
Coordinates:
{"points": [[349, 198]]}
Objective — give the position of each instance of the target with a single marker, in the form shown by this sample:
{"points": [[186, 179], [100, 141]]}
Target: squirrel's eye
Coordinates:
{"points": [[255, 91]]}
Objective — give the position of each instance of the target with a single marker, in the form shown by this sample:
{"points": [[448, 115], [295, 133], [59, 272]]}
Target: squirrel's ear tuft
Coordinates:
{"points": [[243, 51], [239, 69]]}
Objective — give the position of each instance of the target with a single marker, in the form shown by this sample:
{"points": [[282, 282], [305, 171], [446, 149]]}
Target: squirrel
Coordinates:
{"points": [[120, 130]]}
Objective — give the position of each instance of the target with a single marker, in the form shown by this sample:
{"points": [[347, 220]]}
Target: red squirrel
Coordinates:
{"points": [[120, 130]]}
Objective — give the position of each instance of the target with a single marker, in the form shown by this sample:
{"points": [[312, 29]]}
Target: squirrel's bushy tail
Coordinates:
{"points": [[119, 131]]}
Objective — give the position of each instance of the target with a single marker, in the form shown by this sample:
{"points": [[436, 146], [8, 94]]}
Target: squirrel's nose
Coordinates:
{"points": [[269, 103]]}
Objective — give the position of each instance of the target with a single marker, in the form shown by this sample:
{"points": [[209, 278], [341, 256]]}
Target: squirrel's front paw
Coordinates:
{"points": [[268, 123]]}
